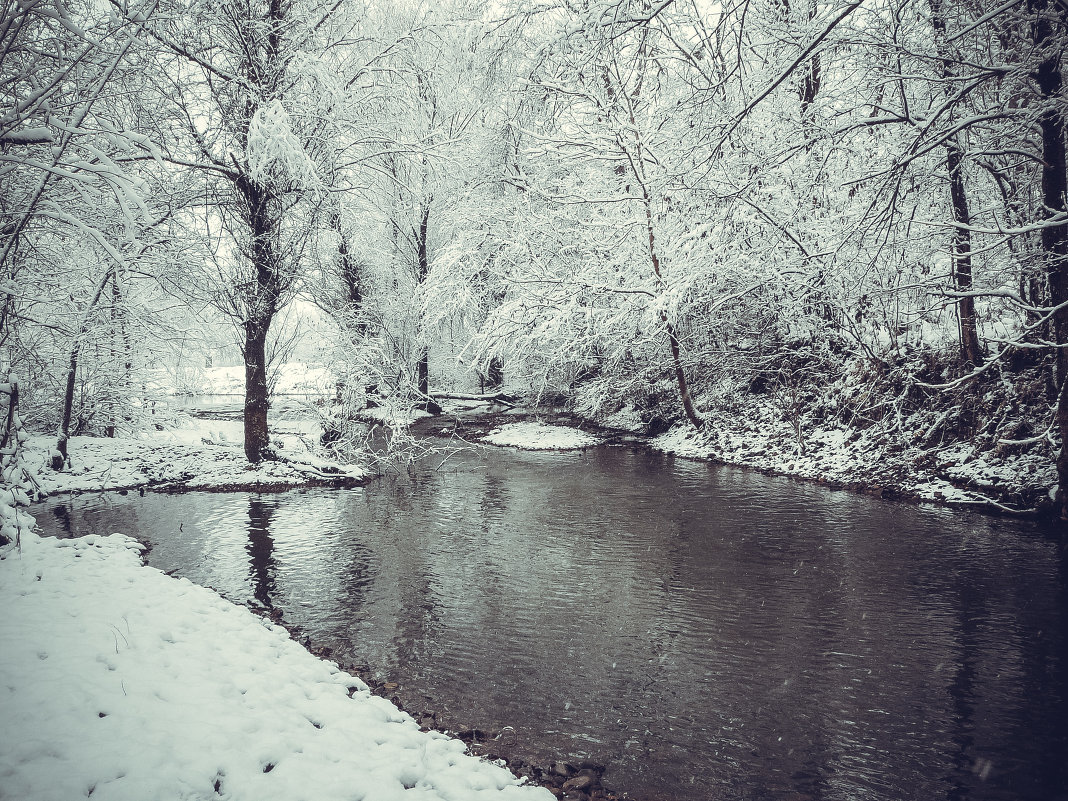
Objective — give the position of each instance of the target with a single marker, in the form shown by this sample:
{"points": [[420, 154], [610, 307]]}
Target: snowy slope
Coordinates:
{"points": [[118, 682]]}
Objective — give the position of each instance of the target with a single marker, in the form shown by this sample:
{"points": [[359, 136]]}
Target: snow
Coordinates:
{"points": [[540, 436], [203, 454], [28, 136], [397, 416], [289, 378], [119, 682], [840, 456]]}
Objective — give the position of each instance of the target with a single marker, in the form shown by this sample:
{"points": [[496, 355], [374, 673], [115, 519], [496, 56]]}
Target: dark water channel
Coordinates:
{"points": [[707, 633]]}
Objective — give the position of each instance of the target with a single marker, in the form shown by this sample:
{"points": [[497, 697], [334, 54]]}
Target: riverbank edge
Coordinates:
{"points": [[107, 553], [953, 476], [914, 475], [100, 464], [573, 781], [880, 475], [180, 488]]}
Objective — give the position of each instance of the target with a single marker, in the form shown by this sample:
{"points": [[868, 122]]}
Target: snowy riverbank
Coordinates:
{"points": [[537, 436], [203, 456], [863, 460], [955, 474], [119, 682]]}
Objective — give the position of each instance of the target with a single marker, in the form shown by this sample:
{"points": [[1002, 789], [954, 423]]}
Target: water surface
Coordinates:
{"points": [[705, 632]]}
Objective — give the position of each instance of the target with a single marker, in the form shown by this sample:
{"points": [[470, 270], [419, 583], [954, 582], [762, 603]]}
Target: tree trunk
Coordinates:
{"points": [[970, 350], [1055, 238], [59, 461], [120, 343], [10, 432], [495, 373], [263, 224], [257, 399], [349, 269], [60, 457], [423, 373], [673, 338], [423, 365]]}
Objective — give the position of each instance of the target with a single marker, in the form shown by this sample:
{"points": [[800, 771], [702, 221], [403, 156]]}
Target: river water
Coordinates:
{"points": [[705, 632]]}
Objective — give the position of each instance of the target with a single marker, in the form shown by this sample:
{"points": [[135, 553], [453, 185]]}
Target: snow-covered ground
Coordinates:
{"points": [[396, 416], [289, 378], [200, 454], [540, 436], [119, 682], [955, 474]]}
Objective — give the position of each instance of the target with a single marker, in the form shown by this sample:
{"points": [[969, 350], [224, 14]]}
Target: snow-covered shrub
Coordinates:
{"points": [[18, 485]]}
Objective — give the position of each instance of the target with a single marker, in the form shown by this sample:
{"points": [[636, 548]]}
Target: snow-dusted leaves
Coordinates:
{"points": [[275, 154]]}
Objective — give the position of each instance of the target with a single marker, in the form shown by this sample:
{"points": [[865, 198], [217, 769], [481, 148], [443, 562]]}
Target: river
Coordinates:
{"points": [[704, 632]]}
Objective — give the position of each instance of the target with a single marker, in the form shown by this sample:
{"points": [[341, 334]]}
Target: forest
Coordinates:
{"points": [[845, 214]]}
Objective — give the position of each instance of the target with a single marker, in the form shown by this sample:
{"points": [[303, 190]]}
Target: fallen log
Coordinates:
{"points": [[492, 397]]}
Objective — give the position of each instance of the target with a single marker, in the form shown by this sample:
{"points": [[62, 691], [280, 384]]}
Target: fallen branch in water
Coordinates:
{"points": [[983, 500]]}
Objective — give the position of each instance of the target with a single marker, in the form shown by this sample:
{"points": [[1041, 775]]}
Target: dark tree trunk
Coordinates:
{"points": [[10, 434], [1048, 32], [59, 461], [422, 370], [257, 397], [263, 224], [495, 373], [60, 457], [120, 343], [971, 351], [673, 338], [423, 365], [350, 271]]}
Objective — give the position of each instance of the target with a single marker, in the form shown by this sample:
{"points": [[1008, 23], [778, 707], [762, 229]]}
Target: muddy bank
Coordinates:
{"points": [[179, 487]]}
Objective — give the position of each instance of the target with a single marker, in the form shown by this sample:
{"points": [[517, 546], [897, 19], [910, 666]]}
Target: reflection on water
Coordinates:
{"points": [[705, 632], [262, 566]]}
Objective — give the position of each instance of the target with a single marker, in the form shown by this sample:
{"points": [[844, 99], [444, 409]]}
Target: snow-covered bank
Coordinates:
{"points": [[186, 459], [956, 473], [533, 435], [858, 423], [119, 682], [291, 377]]}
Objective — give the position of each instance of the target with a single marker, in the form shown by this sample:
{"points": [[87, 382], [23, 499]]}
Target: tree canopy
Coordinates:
{"points": [[849, 206]]}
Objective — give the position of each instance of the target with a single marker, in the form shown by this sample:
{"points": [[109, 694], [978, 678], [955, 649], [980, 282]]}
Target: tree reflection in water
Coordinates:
{"points": [[262, 565]]}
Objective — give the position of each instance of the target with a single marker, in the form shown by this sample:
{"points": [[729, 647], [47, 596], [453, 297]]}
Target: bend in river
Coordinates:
{"points": [[705, 632]]}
